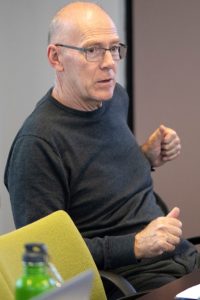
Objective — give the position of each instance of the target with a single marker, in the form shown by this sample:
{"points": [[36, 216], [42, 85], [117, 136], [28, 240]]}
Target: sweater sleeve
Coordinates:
{"points": [[112, 252], [35, 179]]}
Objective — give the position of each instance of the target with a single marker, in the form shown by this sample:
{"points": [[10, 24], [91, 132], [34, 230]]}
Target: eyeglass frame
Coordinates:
{"points": [[85, 49]]}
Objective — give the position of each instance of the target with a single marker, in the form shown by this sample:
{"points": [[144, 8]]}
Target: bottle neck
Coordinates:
{"points": [[35, 268]]}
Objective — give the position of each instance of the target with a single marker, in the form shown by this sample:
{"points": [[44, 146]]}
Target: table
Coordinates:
{"points": [[170, 290]]}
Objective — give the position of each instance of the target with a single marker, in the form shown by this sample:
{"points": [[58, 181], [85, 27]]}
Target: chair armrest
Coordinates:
{"points": [[118, 281], [194, 240]]}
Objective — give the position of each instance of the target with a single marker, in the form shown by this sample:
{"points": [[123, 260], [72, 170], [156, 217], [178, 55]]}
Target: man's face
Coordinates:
{"points": [[83, 80]]}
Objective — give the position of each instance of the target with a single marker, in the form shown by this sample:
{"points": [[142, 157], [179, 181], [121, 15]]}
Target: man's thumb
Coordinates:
{"points": [[174, 213], [163, 130]]}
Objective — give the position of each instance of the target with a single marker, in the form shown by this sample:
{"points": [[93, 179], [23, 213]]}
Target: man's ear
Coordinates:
{"points": [[54, 58]]}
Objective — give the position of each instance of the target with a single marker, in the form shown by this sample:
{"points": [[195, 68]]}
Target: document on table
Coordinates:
{"points": [[190, 293]]}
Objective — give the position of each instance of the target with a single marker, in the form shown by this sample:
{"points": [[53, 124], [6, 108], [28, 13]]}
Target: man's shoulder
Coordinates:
{"points": [[120, 97], [38, 121], [120, 92], [119, 88]]}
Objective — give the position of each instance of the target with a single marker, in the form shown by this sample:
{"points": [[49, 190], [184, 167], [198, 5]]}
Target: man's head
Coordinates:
{"points": [[83, 76]]}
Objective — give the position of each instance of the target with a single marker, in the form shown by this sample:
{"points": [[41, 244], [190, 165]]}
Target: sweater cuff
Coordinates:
{"points": [[120, 251]]}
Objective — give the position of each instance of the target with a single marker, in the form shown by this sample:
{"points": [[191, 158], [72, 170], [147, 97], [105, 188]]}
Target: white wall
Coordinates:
{"points": [[25, 74], [167, 81]]}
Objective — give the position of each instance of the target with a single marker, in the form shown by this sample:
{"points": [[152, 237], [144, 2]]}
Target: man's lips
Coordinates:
{"points": [[105, 80]]}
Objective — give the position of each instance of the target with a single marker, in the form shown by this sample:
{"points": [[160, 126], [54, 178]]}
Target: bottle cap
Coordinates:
{"points": [[35, 252]]}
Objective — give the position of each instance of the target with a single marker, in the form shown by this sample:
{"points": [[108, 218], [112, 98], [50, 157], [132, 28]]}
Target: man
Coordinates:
{"points": [[75, 152]]}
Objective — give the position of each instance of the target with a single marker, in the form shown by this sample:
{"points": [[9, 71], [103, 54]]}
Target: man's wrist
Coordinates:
{"points": [[136, 248]]}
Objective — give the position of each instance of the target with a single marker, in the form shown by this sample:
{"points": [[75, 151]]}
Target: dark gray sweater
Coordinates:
{"points": [[89, 164]]}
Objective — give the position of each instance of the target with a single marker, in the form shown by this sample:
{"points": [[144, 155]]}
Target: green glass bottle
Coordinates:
{"points": [[35, 279]]}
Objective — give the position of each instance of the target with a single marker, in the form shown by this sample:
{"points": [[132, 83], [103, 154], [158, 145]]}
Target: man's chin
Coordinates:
{"points": [[102, 93], [105, 95]]}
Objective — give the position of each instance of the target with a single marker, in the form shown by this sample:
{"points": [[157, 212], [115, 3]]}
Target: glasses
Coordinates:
{"points": [[96, 53]]}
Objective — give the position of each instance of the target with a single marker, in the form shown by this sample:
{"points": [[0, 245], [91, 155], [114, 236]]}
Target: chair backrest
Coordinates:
{"points": [[161, 203], [66, 247]]}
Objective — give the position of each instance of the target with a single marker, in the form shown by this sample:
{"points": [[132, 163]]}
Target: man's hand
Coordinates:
{"points": [[160, 235], [162, 146]]}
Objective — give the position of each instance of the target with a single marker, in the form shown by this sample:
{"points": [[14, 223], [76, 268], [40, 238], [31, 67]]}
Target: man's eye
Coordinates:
{"points": [[92, 50], [114, 48]]}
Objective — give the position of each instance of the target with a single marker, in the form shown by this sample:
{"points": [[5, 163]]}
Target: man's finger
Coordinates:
{"points": [[174, 213]]}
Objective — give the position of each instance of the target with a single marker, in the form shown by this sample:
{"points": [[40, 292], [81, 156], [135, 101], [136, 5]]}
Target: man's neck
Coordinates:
{"points": [[67, 101]]}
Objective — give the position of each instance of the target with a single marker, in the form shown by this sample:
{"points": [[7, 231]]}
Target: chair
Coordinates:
{"points": [[66, 247], [67, 250]]}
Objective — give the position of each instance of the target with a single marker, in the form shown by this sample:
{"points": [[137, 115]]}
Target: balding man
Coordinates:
{"points": [[75, 152]]}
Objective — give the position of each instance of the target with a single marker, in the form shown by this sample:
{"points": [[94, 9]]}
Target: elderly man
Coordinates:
{"points": [[75, 152]]}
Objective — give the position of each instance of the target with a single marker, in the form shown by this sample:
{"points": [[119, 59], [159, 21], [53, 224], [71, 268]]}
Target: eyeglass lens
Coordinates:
{"points": [[95, 53]]}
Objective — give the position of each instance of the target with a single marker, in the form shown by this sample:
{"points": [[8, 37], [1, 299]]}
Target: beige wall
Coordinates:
{"points": [[167, 90]]}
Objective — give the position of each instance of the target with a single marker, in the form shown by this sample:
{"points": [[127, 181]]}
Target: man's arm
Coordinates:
{"points": [[38, 185], [112, 252], [35, 180]]}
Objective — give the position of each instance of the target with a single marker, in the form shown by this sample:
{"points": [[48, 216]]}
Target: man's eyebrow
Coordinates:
{"points": [[100, 44]]}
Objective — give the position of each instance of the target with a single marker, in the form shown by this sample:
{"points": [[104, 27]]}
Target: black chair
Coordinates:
{"points": [[111, 280]]}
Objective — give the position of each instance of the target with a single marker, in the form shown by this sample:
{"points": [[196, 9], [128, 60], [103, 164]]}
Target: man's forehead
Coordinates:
{"points": [[80, 32], [98, 33]]}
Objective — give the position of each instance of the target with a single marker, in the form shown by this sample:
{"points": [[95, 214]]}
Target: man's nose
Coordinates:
{"points": [[107, 59]]}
